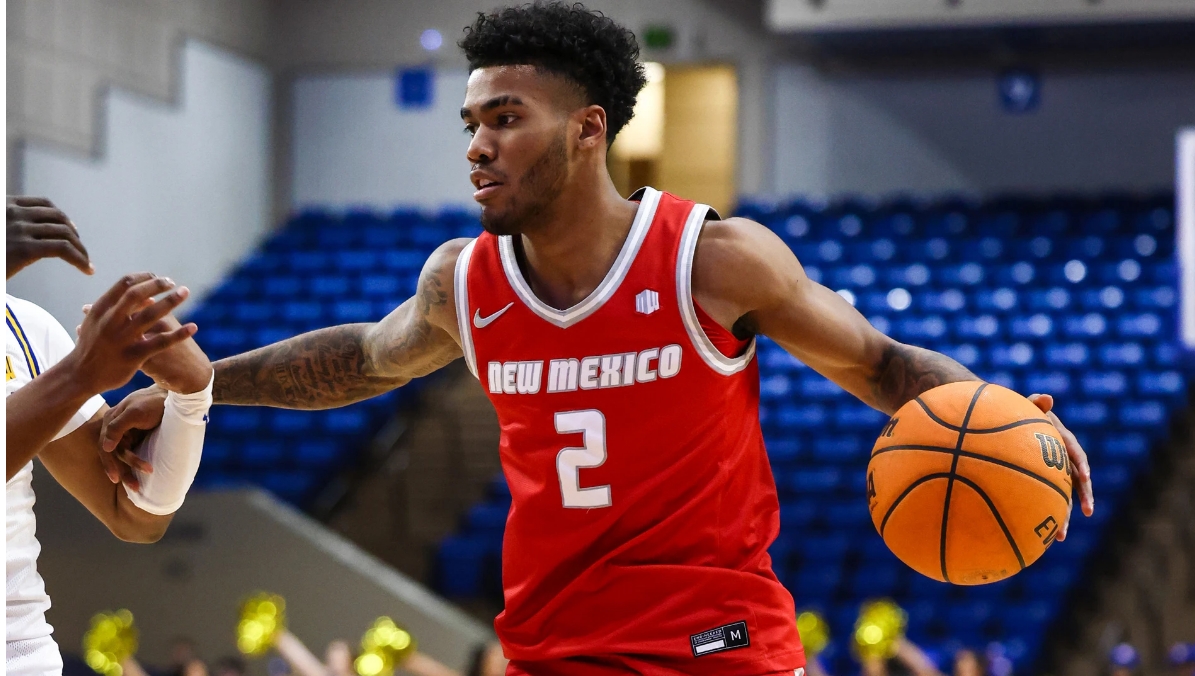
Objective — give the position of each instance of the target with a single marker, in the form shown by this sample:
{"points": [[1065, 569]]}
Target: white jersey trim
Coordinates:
{"points": [[610, 284], [461, 289], [684, 291]]}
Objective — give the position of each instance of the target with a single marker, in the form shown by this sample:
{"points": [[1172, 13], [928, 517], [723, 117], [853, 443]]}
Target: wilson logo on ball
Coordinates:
{"points": [[1052, 452]]}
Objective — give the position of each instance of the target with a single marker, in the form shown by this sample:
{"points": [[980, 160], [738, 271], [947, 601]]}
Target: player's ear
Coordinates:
{"points": [[593, 127]]}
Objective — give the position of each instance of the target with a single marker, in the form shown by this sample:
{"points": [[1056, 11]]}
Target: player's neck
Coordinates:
{"points": [[565, 260]]}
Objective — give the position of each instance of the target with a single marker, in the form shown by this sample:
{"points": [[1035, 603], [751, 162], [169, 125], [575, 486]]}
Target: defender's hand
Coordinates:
{"points": [[37, 229], [129, 420], [1078, 459], [112, 338], [182, 368]]}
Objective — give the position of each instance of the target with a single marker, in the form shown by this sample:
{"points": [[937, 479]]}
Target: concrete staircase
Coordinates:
{"points": [[1144, 591], [421, 481], [63, 55]]}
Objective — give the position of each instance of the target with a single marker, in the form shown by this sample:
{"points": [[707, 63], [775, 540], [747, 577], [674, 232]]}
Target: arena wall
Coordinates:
{"points": [[181, 189], [221, 547]]}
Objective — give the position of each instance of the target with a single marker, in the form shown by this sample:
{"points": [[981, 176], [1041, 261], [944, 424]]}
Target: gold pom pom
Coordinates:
{"points": [[384, 647], [815, 633], [263, 616], [880, 628], [111, 640]]}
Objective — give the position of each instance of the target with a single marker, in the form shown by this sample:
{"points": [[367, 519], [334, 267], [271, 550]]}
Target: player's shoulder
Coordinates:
{"points": [[743, 265], [737, 248], [28, 317]]}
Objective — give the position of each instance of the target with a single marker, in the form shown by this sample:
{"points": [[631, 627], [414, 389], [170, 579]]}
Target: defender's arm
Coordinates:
{"points": [[341, 365], [75, 462]]}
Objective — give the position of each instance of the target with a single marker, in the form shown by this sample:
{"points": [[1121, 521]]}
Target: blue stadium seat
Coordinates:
{"points": [[1105, 384], [404, 260], [329, 285], [458, 565]]}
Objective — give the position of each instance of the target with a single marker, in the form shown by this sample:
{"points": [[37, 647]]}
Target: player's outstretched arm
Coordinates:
{"points": [[341, 365], [748, 280]]}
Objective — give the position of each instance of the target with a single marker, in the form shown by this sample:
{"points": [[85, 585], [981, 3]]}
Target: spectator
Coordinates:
{"points": [[1182, 659], [229, 666], [968, 663], [1123, 661], [488, 660]]}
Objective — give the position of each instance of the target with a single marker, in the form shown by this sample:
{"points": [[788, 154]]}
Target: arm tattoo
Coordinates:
{"points": [[905, 371], [344, 364], [321, 369]]}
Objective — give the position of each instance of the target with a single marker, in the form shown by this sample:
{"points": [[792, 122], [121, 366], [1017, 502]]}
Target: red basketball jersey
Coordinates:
{"points": [[643, 502]]}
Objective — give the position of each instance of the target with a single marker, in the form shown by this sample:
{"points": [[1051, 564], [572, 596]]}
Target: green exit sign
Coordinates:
{"points": [[658, 37]]}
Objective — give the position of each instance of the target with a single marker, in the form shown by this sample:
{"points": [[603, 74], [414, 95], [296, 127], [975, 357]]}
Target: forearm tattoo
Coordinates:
{"points": [[905, 371], [321, 369]]}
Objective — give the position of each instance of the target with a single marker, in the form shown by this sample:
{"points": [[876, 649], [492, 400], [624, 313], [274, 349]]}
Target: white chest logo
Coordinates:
{"points": [[482, 322], [647, 302]]}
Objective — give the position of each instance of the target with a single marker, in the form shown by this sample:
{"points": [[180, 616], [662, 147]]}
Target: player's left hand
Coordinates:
{"points": [[128, 421], [1078, 460], [37, 229]]}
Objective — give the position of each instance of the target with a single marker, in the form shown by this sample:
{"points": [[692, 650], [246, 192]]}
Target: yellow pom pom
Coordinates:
{"points": [[815, 633], [879, 629], [110, 640], [262, 617], [384, 647]]}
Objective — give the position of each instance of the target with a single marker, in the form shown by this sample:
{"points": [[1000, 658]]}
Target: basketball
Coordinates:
{"points": [[969, 483]]}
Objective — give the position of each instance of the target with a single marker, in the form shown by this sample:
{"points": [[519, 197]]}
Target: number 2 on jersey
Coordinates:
{"points": [[592, 426]]}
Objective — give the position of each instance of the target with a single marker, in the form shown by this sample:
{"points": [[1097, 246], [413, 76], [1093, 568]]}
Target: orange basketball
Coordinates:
{"points": [[968, 483]]}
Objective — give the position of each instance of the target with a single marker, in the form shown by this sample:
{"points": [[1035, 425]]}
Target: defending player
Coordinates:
{"points": [[616, 340], [54, 412]]}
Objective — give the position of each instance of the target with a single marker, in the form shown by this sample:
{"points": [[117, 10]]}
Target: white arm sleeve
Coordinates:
{"points": [[174, 450]]}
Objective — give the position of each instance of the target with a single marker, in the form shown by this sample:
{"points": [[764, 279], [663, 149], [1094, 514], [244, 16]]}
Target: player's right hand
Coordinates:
{"points": [[37, 229], [113, 341]]}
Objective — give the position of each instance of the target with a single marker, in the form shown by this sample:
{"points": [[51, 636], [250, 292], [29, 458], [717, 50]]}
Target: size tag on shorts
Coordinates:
{"points": [[726, 637]]}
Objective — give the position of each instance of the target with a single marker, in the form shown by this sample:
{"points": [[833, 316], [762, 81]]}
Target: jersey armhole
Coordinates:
{"points": [[710, 354], [461, 291]]}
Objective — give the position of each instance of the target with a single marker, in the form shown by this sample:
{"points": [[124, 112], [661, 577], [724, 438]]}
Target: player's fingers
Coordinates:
{"points": [[70, 251], [1066, 522], [130, 458], [30, 201], [110, 467], [134, 298], [118, 289], [44, 214], [151, 345], [1080, 468], [151, 315], [1043, 401], [117, 422]]}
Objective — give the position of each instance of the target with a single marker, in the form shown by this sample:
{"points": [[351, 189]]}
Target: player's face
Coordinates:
{"points": [[519, 154]]}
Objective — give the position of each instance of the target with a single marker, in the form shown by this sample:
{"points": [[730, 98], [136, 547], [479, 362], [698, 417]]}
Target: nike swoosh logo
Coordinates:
{"points": [[482, 322]]}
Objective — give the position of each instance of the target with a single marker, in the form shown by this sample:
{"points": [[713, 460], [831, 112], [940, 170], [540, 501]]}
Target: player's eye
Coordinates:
{"points": [[506, 118], [471, 130]]}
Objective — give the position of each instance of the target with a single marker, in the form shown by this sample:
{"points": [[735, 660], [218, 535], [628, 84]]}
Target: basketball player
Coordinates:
{"points": [[616, 339], [54, 412]]}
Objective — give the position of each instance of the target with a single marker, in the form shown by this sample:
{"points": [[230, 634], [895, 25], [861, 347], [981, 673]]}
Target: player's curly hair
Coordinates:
{"points": [[585, 46]]}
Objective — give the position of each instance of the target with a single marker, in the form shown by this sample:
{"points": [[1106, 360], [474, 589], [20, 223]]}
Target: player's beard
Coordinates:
{"points": [[539, 187]]}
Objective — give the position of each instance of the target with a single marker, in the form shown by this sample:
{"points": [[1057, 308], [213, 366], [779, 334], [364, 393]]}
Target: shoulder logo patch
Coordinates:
{"points": [[726, 637], [647, 302]]}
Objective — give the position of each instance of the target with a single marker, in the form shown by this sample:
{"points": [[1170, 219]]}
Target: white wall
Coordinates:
{"points": [[181, 190], [353, 145], [933, 132]]}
